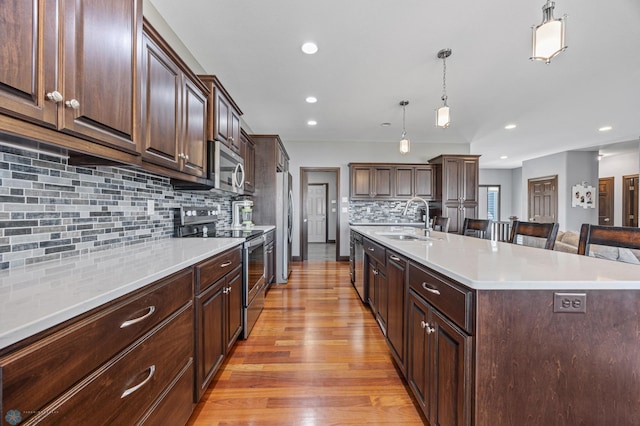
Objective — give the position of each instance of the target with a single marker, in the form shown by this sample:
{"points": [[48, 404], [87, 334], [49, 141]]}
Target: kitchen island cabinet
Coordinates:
{"points": [[487, 345]]}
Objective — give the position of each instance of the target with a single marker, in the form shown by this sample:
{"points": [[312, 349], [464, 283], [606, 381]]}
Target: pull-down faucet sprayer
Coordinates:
{"points": [[426, 203]]}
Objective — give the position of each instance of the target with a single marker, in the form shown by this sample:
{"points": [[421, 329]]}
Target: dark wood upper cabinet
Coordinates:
{"points": [[223, 119], [380, 181], [88, 83], [456, 187], [174, 109], [248, 153]]}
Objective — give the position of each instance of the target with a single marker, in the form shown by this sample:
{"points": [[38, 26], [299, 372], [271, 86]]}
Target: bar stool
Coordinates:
{"points": [[612, 236], [441, 223], [478, 228], [544, 231]]}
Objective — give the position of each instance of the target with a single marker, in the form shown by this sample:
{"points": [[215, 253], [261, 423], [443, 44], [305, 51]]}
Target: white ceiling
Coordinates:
{"points": [[375, 53]]}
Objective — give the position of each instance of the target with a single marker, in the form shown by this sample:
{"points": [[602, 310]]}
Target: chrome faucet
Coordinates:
{"points": [[426, 203]]}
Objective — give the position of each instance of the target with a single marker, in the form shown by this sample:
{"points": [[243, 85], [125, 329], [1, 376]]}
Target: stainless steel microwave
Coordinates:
{"points": [[226, 168]]}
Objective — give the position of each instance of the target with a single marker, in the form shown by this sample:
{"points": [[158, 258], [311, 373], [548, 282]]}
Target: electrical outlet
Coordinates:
{"points": [[575, 303]]}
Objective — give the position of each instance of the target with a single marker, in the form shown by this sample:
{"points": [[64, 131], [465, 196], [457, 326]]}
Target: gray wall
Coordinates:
{"points": [[617, 166], [504, 178]]}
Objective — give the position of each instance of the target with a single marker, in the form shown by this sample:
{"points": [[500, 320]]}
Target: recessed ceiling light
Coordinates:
{"points": [[312, 122], [385, 124], [311, 99], [503, 157], [605, 128], [309, 48], [510, 126]]}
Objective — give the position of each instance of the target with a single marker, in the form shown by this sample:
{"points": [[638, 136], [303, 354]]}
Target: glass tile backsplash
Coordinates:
{"points": [[50, 210]]}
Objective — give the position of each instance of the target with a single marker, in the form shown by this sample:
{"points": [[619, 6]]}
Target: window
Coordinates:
{"points": [[489, 205]]}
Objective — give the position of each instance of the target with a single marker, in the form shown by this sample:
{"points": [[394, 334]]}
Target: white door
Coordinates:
{"points": [[317, 213]]}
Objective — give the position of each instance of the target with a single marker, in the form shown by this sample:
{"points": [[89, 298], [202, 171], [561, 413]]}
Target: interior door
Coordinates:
{"points": [[630, 200], [317, 212], [605, 201], [543, 199]]}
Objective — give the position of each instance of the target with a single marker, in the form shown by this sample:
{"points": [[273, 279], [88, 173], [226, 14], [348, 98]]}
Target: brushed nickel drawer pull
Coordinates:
{"points": [[127, 323], [429, 289], [371, 249], [225, 264], [152, 370], [396, 258]]}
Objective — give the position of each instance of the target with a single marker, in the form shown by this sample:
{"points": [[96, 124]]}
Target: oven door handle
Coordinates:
{"points": [[254, 242]]}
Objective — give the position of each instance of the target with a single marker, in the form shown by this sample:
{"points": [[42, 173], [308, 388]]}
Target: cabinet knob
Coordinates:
{"points": [[427, 327], [73, 103], [375, 272], [55, 96]]}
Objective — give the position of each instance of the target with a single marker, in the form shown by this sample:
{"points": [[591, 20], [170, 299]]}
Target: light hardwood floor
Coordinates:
{"points": [[315, 357]]}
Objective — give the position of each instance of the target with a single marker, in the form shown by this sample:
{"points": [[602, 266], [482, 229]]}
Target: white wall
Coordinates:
{"points": [[617, 166], [340, 154]]}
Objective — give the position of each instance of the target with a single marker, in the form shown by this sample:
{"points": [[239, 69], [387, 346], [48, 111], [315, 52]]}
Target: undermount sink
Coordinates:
{"points": [[405, 236]]}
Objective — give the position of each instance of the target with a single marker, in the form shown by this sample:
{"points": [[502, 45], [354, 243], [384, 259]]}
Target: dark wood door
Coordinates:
{"points": [[630, 200], [161, 107], [451, 175], [469, 180], [543, 199], [451, 369], [222, 127], [382, 295], [425, 182], [418, 350], [396, 279], [234, 130], [233, 307], [100, 70], [194, 139], [210, 332], [29, 34], [404, 182], [605, 201], [248, 153], [361, 182], [383, 182], [371, 282]]}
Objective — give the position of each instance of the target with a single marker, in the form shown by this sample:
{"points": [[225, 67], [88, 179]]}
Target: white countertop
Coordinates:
{"points": [[36, 297], [491, 265]]}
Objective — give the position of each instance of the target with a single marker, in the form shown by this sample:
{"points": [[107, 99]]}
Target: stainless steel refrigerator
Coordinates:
{"points": [[284, 226]]}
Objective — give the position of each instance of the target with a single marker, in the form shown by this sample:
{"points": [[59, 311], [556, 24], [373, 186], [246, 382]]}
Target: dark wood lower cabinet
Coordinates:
{"points": [[396, 295], [438, 365]]}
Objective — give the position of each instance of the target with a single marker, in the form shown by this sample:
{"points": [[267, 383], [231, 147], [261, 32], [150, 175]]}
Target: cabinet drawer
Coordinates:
{"points": [[453, 300], [211, 270], [124, 389], [374, 250], [33, 376]]}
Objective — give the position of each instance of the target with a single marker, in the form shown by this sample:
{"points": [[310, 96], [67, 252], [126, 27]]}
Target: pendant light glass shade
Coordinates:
{"points": [[405, 145], [443, 119], [548, 38]]}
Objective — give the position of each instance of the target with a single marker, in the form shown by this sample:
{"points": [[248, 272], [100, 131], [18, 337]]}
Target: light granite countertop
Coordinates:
{"points": [[36, 297], [493, 265]]}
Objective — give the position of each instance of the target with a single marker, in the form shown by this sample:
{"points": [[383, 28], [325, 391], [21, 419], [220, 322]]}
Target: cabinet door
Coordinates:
{"points": [[222, 126], [381, 286], [383, 182], [361, 183], [29, 71], [371, 282], [404, 187], [456, 216], [194, 141], [451, 172], [234, 130], [101, 80], [161, 106], [469, 180], [248, 152], [425, 182], [233, 307], [396, 279], [418, 350], [210, 332], [451, 367]]}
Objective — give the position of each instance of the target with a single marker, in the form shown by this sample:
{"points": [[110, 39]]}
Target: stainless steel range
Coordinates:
{"points": [[200, 222]]}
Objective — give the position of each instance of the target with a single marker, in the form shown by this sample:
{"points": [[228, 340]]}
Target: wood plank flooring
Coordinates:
{"points": [[315, 357]]}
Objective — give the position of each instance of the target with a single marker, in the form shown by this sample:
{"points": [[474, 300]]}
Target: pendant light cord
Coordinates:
{"points": [[444, 79]]}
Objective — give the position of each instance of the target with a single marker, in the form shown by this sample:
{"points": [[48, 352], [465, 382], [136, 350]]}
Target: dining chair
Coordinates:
{"points": [[478, 228], [612, 236], [441, 223], [534, 234]]}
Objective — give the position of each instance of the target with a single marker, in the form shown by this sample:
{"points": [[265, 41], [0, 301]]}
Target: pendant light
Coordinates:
{"points": [[548, 37], [443, 117], [404, 142]]}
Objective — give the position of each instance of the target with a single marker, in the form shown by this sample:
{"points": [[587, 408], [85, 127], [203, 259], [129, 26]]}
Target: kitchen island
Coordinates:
{"points": [[500, 334]]}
